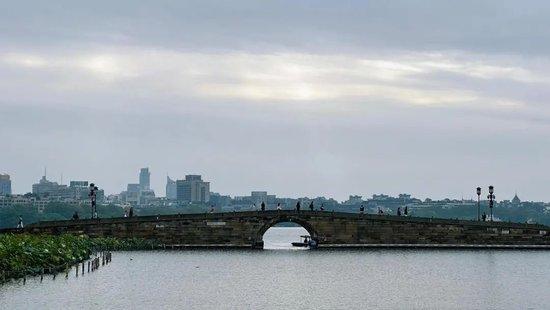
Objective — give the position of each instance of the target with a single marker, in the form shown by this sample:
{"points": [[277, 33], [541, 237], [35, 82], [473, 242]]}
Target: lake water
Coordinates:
{"points": [[286, 278]]}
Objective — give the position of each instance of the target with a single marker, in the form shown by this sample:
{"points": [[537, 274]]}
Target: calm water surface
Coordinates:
{"points": [[286, 278]]}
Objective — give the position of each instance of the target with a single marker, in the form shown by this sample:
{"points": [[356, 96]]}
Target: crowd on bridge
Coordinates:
{"points": [[400, 211]]}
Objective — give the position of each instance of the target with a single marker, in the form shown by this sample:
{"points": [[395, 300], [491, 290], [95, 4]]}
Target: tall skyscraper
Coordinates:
{"points": [[145, 179], [193, 189], [171, 188], [5, 184]]}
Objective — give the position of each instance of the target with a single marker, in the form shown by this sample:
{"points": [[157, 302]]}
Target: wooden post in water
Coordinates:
{"points": [[82, 268], [77, 270], [41, 275], [24, 280], [88, 266]]}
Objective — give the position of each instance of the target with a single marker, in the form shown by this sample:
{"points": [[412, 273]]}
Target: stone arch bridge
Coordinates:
{"points": [[332, 229]]}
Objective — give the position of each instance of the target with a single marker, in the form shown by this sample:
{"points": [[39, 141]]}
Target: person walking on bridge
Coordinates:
{"points": [[298, 206], [20, 223], [311, 207], [361, 209], [262, 206], [322, 207], [279, 206], [398, 211]]}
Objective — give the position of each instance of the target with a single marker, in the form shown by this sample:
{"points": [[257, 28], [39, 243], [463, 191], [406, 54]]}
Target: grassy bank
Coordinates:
{"points": [[24, 254]]}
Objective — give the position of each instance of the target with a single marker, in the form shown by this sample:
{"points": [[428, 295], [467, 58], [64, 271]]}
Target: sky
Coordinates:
{"points": [[299, 98]]}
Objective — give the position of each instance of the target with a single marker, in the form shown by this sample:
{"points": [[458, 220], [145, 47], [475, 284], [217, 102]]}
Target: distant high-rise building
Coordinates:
{"points": [[133, 188], [46, 188], [258, 197], [193, 189], [80, 189], [171, 188], [5, 184], [145, 179], [77, 190]]}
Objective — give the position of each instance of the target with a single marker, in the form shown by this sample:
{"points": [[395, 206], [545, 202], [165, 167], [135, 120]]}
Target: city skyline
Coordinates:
{"points": [[252, 190]]}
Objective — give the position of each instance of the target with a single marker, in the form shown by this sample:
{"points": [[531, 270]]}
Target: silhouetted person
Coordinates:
{"points": [[211, 209], [406, 211], [262, 206], [380, 211], [399, 211], [20, 223], [125, 213], [298, 206], [322, 207], [484, 217], [311, 205], [75, 216], [131, 214], [279, 206], [362, 209]]}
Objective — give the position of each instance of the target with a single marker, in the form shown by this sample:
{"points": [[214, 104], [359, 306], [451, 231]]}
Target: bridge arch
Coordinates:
{"points": [[281, 219]]}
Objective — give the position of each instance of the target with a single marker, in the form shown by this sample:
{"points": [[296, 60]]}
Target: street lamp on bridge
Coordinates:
{"points": [[93, 196], [478, 200], [491, 198]]}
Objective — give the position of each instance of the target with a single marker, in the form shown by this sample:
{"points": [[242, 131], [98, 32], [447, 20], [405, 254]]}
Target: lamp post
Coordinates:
{"points": [[478, 199], [93, 195], [491, 197]]}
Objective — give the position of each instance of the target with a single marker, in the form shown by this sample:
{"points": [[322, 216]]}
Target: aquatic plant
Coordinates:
{"points": [[26, 254]]}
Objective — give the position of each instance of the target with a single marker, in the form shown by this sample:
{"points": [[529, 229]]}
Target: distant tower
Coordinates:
{"points": [[171, 189], [5, 184], [145, 179], [516, 200]]}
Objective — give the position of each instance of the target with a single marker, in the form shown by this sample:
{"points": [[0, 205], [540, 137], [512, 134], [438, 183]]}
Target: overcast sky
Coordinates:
{"points": [[300, 98]]}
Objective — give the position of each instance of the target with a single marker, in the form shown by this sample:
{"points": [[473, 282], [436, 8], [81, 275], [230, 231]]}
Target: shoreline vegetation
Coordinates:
{"points": [[24, 255]]}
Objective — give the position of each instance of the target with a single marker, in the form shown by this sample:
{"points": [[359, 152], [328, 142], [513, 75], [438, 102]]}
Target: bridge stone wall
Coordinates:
{"points": [[246, 229]]}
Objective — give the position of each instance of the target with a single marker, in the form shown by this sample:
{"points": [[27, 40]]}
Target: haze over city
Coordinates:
{"points": [[312, 98]]}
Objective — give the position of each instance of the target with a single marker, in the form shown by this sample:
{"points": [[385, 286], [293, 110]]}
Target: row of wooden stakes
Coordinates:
{"points": [[100, 259]]}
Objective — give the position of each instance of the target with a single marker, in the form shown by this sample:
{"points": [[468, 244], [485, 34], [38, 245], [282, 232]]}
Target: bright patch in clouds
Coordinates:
{"points": [[409, 79]]}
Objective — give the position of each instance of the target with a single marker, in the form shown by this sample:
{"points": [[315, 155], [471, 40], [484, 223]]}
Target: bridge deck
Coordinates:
{"points": [[275, 213]]}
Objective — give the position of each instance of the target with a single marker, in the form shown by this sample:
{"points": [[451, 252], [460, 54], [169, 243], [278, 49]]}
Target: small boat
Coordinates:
{"points": [[304, 243]]}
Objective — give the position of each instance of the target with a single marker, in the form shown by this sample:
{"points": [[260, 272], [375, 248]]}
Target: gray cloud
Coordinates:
{"points": [[309, 98]]}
